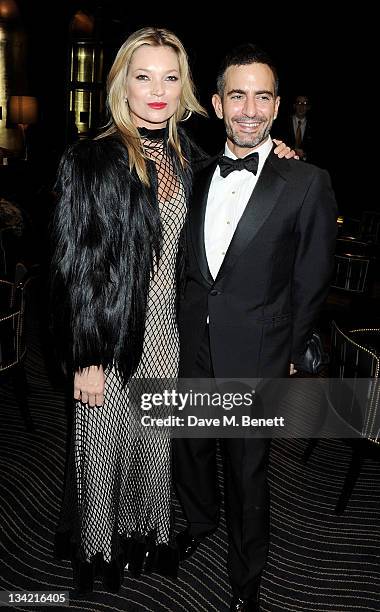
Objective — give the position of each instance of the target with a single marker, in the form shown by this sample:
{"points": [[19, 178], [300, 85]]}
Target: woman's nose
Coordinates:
{"points": [[157, 88]]}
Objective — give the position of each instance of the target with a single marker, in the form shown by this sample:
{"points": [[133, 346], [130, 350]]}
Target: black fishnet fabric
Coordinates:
{"points": [[123, 478]]}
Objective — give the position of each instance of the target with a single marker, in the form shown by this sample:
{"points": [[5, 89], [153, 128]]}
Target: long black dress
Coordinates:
{"points": [[118, 492]]}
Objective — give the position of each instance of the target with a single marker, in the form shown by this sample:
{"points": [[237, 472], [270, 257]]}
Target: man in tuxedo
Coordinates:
{"points": [[261, 237]]}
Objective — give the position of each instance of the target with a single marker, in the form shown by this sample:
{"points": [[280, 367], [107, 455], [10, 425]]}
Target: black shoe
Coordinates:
{"points": [[239, 604], [84, 574], [244, 605], [187, 544], [113, 576], [162, 559]]}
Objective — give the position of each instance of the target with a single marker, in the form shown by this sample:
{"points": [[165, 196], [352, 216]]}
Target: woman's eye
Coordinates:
{"points": [[141, 77], [172, 77]]}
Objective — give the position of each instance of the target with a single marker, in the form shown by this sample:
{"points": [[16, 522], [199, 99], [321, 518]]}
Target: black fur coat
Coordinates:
{"points": [[107, 234]]}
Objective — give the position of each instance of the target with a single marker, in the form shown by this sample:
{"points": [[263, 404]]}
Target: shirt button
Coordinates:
{"points": [[228, 222], [233, 192], [223, 252]]}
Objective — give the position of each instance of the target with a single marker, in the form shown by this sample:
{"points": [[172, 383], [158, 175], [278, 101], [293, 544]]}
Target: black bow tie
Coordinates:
{"points": [[227, 164]]}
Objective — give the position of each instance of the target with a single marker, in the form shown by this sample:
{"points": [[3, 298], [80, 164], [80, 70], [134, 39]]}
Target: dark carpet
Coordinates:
{"points": [[317, 562]]}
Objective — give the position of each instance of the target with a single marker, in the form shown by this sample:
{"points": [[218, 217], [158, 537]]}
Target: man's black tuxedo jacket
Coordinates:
{"points": [[274, 277]]}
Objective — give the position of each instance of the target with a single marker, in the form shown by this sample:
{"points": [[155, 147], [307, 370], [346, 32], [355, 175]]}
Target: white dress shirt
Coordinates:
{"points": [[226, 202]]}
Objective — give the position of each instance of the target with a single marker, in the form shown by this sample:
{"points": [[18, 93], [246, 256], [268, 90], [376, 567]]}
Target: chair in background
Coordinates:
{"points": [[357, 256], [370, 226], [354, 395], [366, 228], [12, 337], [12, 237], [353, 283], [348, 227], [352, 266]]}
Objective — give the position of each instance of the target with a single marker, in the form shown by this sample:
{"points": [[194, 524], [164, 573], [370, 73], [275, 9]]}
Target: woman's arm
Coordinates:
{"points": [[105, 233]]}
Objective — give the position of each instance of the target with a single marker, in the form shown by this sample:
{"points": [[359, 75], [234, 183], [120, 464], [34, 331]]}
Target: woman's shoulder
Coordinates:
{"points": [[99, 160], [104, 155], [97, 145]]}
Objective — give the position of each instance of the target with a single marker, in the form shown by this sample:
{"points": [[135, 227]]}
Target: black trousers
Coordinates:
{"points": [[246, 492]]}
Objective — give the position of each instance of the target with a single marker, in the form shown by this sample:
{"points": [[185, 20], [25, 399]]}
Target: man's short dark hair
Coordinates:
{"points": [[242, 55]]}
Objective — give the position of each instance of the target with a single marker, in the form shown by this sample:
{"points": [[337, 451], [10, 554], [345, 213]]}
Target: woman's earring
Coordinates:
{"points": [[189, 113]]}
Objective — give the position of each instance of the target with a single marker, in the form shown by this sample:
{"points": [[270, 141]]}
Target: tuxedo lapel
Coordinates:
{"points": [[260, 205], [197, 213]]}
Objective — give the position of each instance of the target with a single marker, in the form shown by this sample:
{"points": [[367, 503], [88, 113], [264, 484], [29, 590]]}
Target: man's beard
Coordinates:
{"points": [[248, 141]]}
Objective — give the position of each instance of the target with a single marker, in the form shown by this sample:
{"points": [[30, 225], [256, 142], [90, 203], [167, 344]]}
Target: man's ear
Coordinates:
{"points": [[218, 106]]}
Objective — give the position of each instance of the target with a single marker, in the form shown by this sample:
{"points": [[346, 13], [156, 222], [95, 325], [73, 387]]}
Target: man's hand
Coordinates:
{"points": [[282, 150], [292, 369], [89, 386]]}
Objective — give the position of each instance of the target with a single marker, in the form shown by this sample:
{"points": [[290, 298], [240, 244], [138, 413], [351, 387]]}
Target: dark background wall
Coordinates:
{"points": [[315, 54]]}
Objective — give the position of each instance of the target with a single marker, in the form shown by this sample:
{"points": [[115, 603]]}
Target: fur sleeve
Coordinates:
{"points": [[104, 234]]}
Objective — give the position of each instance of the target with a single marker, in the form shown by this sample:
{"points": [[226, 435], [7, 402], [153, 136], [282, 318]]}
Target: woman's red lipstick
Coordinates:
{"points": [[157, 105]]}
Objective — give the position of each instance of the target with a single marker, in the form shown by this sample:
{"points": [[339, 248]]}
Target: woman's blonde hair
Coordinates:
{"points": [[121, 121]]}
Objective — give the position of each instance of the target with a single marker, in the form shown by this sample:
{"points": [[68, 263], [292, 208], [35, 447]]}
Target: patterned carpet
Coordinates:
{"points": [[317, 562]]}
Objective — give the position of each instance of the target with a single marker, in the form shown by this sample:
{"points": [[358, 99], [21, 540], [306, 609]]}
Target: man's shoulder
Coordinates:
{"points": [[295, 169]]}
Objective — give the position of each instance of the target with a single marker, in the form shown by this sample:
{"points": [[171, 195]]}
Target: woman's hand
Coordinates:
{"points": [[89, 386], [282, 150]]}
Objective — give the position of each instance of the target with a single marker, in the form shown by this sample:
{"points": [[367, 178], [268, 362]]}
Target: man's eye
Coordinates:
{"points": [[263, 98], [236, 97]]}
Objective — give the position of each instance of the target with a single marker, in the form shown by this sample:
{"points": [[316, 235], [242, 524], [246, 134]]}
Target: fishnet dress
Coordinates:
{"points": [[123, 480]]}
